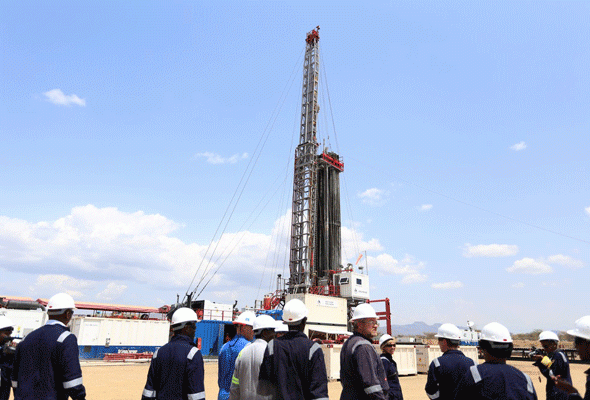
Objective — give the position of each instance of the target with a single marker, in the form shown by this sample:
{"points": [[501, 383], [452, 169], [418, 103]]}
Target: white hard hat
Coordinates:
{"points": [[294, 311], [61, 301], [183, 315], [364, 310], [281, 327], [5, 323], [246, 318], [384, 339], [264, 322], [548, 335], [448, 331], [495, 332], [582, 329]]}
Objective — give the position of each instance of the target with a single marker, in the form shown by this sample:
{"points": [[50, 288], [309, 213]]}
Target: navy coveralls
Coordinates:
{"points": [[6, 363], [226, 364], [295, 366], [46, 365], [176, 372], [495, 381], [361, 371], [561, 367], [445, 372], [390, 367], [587, 396]]}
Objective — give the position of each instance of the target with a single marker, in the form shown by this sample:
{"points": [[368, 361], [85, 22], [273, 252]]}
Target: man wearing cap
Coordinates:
{"points": [[46, 364], [387, 345], [445, 372], [553, 364], [229, 352], [494, 379], [177, 370], [293, 364], [244, 382], [6, 357], [581, 336], [361, 371]]}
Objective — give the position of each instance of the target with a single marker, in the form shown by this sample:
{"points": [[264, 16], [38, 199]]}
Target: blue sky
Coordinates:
{"points": [[125, 128]]}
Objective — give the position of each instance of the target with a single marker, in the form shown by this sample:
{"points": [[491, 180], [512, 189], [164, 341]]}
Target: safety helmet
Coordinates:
{"points": [[362, 311], [264, 322], [245, 318], [182, 316], [448, 331], [294, 311], [495, 332], [548, 335], [582, 329], [384, 339], [281, 327], [5, 323], [61, 301]]}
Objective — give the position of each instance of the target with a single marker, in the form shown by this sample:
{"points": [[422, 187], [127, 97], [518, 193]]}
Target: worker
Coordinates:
{"points": [[494, 379], [387, 345], [244, 383], [361, 371], [445, 372], [581, 334], [230, 350], [553, 364], [177, 370], [6, 356], [293, 364], [281, 329], [46, 364]]}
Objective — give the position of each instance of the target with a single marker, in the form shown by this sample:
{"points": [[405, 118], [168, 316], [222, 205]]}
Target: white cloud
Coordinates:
{"points": [[489, 250], [447, 285], [61, 283], [518, 285], [565, 261], [112, 291], [425, 207], [214, 158], [56, 96], [374, 197], [409, 267], [587, 210], [518, 146], [414, 278], [530, 266]]}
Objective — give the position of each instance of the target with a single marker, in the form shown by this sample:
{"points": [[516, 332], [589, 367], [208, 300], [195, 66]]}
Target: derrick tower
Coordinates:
{"points": [[315, 224]]}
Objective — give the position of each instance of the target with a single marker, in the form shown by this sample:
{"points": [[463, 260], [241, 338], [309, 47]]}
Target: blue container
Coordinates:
{"points": [[276, 314], [212, 335]]}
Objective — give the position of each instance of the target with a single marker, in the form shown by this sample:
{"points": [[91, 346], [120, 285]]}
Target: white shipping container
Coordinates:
{"points": [[332, 359], [426, 354], [325, 313], [25, 321], [96, 331], [217, 311]]}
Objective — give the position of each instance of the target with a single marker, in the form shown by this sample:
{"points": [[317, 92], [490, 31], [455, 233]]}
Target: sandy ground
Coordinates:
{"points": [[123, 381]]}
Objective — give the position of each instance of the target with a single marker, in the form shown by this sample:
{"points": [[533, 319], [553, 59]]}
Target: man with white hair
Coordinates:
{"points": [[46, 364]]}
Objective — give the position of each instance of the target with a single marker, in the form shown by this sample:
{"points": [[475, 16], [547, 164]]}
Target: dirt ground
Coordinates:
{"points": [[125, 381]]}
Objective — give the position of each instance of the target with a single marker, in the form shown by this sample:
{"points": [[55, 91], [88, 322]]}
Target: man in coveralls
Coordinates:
{"points": [[46, 364], [581, 336], [229, 352], [293, 364], [494, 379], [361, 371], [176, 371], [553, 364], [6, 357], [445, 372], [244, 383], [387, 346]]}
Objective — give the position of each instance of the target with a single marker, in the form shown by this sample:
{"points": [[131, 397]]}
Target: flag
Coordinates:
{"points": [[358, 259]]}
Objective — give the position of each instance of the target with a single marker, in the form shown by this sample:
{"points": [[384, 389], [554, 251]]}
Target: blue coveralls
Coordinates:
{"points": [[561, 367], [390, 367], [361, 371], [587, 396], [445, 372], [6, 363], [226, 363], [176, 372], [295, 366], [46, 365], [495, 381]]}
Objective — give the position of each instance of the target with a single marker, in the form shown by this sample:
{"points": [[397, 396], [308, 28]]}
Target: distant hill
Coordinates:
{"points": [[417, 328]]}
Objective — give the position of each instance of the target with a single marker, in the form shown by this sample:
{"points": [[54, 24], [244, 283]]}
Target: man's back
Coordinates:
{"points": [[445, 373], [247, 369], [226, 363], [47, 365], [495, 381]]}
